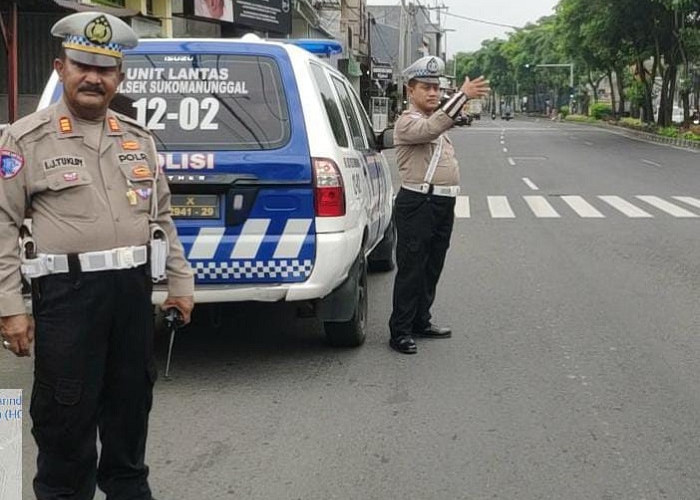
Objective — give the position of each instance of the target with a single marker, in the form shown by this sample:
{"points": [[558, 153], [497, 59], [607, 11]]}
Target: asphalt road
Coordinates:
{"points": [[572, 285]]}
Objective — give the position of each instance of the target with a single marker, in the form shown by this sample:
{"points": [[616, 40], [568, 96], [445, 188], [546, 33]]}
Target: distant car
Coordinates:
{"points": [[280, 188]]}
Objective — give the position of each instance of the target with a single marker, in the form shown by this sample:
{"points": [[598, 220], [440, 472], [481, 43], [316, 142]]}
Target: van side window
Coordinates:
{"points": [[329, 102], [355, 130], [369, 131]]}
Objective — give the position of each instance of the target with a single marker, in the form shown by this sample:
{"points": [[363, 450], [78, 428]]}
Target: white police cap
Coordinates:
{"points": [[427, 69], [95, 38]]}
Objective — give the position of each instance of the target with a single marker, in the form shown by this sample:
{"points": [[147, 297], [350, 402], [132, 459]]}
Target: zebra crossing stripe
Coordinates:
{"points": [[582, 207], [667, 207], [541, 207], [462, 209], [693, 202], [499, 207], [625, 207]]}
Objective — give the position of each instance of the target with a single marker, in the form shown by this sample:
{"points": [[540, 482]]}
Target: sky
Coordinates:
{"points": [[469, 34]]}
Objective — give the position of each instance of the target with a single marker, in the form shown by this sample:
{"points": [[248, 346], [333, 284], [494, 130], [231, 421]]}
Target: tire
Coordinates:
{"points": [[382, 259], [352, 333]]}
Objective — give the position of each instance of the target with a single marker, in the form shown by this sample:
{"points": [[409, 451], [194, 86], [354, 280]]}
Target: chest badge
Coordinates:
{"points": [[141, 171], [131, 196], [130, 145], [70, 176]]}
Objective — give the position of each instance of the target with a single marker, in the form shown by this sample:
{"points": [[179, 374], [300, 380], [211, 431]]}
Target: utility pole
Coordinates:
{"points": [[404, 47]]}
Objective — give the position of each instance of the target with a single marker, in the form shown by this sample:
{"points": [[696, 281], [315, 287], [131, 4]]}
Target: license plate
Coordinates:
{"points": [[195, 206]]}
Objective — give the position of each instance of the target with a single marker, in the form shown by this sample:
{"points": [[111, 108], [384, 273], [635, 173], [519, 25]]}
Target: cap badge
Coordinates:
{"points": [[433, 65], [98, 31]]}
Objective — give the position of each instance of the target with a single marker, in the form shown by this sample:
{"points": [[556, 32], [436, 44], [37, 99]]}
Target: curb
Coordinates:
{"points": [[638, 134]]}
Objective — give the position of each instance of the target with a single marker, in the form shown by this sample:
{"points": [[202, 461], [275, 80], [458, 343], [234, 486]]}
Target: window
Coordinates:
{"points": [[329, 102], [369, 131], [206, 102], [350, 115]]}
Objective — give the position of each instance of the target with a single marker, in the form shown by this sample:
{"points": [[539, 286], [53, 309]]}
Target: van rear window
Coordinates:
{"points": [[206, 102]]}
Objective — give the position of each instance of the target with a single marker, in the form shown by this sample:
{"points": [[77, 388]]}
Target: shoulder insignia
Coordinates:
{"points": [[113, 124], [65, 125], [10, 163]]}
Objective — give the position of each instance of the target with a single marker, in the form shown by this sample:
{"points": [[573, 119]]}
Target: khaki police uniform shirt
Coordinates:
{"points": [[416, 136], [84, 190]]}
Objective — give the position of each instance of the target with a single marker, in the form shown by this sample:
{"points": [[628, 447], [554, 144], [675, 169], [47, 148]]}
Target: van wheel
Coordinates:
{"points": [[352, 333], [382, 257]]}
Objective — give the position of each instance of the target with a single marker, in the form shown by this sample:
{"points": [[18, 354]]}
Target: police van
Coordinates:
{"points": [[280, 190]]}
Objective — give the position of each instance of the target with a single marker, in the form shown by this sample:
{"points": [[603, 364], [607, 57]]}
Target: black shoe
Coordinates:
{"points": [[404, 344], [434, 332]]}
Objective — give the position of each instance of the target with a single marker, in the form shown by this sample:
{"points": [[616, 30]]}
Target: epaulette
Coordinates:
{"points": [[29, 123], [140, 129]]}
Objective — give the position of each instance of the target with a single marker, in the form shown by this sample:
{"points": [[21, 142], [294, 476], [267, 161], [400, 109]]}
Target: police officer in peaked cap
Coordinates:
{"points": [[89, 179], [424, 206]]}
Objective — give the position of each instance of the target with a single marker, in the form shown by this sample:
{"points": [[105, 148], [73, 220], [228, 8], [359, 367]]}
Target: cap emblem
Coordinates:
{"points": [[433, 66], [98, 31]]}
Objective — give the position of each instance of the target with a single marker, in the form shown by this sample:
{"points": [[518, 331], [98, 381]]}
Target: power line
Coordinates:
{"points": [[481, 21]]}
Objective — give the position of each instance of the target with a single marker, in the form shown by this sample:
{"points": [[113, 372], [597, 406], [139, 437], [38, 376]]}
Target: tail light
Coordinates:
{"points": [[329, 196]]}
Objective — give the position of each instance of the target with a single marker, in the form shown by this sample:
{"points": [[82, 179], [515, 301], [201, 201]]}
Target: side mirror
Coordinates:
{"points": [[385, 139]]}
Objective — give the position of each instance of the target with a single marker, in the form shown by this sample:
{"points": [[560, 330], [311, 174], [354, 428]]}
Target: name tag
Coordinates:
{"points": [[64, 161]]}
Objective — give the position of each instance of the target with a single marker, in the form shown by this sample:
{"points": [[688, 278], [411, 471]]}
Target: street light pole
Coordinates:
{"points": [[571, 77]]}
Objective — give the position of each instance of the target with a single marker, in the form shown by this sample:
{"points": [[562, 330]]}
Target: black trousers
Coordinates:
{"points": [[93, 371], [424, 226]]}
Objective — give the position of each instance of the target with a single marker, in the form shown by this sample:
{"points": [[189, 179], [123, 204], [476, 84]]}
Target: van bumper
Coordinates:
{"points": [[335, 254]]}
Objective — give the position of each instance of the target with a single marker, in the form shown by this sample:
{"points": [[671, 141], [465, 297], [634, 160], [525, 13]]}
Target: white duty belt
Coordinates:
{"points": [[106, 260], [426, 187]]}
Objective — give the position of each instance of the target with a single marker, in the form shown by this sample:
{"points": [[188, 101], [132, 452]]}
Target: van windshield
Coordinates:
{"points": [[206, 102]]}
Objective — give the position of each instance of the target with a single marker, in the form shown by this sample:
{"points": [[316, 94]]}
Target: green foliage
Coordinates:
{"points": [[580, 119], [564, 110], [690, 136], [601, 111], [668, 132]]}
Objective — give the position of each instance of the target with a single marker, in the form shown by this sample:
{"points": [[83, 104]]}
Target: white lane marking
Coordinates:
{"points": [[505, 150], [693, 202], [499, 207], [462, 208], [588, 143], [536, 158], [206, 242], [541, 207], [582, 207], [652, 163], [625, 207], [250, 239], [530, 184], [292, 238], [667, 207], [503, 142], [511, 161]]}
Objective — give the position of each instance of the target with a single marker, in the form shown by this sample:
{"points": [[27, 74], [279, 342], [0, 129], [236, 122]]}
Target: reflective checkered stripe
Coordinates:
{"points": [[254, 270], [260, 251]]}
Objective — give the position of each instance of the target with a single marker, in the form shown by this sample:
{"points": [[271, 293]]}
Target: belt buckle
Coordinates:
{"points": [[125, 257], [425, 188]]}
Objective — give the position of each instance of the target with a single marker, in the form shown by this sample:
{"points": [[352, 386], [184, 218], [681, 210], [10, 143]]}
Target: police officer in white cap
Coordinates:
{"points": [[424, 206], [89, 178]]}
